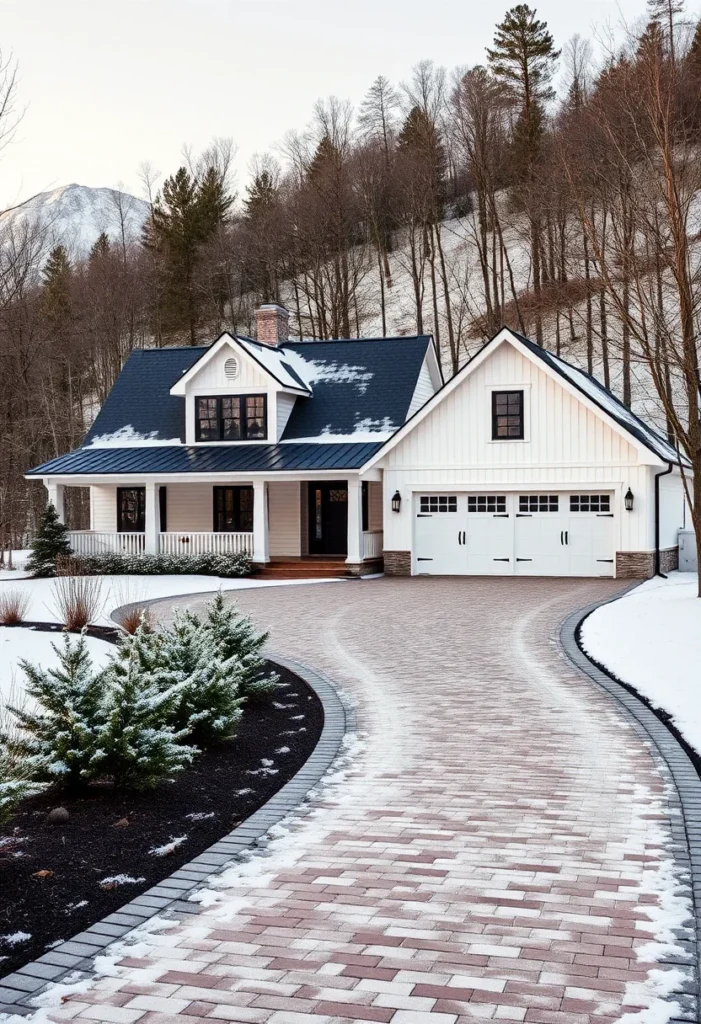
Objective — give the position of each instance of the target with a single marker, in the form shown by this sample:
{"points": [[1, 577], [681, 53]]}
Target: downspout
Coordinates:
{"points": [[665, 472]]}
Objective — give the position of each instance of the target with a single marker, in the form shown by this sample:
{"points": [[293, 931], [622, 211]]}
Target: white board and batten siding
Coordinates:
{"points": [[567, 449]]}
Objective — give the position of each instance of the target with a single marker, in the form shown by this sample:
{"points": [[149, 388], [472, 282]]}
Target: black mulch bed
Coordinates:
{"points": [[108, 835], [108, 633]]}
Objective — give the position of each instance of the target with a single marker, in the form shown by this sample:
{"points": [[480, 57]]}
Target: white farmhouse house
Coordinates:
{"points": [[311, 456]]}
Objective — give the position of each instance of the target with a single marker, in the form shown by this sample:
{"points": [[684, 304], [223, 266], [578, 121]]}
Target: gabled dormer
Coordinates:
{"points": [[239, 391]]}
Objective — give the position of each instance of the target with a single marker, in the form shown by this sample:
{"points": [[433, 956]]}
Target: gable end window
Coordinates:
{"points": [[507, 416], [231, 418]]}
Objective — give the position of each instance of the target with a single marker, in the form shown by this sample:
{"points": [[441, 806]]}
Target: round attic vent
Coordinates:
{"points": [[231, 369]]}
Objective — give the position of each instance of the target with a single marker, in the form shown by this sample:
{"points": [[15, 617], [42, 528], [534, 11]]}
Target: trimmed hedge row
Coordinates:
{"points": [[114, 564]]}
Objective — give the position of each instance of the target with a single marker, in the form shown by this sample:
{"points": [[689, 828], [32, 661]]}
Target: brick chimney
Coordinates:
{"points": [[272, 324]]}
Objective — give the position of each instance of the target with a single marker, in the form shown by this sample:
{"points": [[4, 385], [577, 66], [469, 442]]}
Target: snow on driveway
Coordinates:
{"points": [[651, 639]]}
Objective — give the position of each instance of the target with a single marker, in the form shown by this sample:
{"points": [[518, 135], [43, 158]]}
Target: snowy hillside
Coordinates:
{"points": [[76, 215]]}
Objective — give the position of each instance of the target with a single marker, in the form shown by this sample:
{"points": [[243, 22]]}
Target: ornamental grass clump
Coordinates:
{"points": [[77, 600], [14, 604]]}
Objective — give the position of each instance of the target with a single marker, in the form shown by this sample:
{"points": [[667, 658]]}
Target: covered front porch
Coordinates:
{"points": [[288, 519]]}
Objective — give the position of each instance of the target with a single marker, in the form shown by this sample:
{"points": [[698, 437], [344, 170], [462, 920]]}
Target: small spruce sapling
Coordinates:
{"points": [[234, 636], [138, 745], [50, 543], [209, 697], [58, 740]]}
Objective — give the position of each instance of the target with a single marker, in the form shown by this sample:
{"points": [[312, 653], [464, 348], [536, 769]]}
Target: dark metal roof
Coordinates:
{"points": [[141, 399], [605, 400], [235, 458], [364, 384]]}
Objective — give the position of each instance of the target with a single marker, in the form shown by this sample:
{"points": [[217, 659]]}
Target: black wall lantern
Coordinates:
{"points": [[396, 502], [629, 500]]}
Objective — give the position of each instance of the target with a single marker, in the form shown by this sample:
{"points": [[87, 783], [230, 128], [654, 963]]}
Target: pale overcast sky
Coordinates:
{"points": [[110, 83]]}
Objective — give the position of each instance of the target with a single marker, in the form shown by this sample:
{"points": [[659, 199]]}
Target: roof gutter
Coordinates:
{"points": [[664, 472]]}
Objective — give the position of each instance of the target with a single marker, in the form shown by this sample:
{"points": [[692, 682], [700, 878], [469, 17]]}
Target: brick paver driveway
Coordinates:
{"points": [[483, 859]]}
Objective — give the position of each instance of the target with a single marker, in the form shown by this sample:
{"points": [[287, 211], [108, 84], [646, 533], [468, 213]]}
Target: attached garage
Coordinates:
{"points": [[509, 534]]}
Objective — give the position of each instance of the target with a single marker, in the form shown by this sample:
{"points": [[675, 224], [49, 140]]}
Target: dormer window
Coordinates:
{"points": [[231, 418]]}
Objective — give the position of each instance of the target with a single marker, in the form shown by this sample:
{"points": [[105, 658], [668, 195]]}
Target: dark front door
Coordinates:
{"points": [[328, 518], [131, 509], [233, 509]]}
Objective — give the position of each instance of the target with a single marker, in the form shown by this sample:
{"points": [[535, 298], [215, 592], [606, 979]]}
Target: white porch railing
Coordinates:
{"points": [[85, 542], [205, 543], [373, 544]]}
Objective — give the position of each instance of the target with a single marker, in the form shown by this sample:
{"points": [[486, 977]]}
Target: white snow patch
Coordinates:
{"points": [[128, 437], [200, 815], [121, 880], [314, 370], [15, 939], [651, 639], [163, 851], [282, 750], [364, 430]]}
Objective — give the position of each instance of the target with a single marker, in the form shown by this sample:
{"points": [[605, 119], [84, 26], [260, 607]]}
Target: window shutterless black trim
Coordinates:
{"points": [[140, 495], [510, 415], [243, 417], [242, 510]]}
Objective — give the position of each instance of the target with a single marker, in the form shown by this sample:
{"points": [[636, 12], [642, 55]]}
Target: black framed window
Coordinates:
{"points": [[538, 503], [507, 415], [233, 509], [231, 418], [131, 509], [439, 503]]}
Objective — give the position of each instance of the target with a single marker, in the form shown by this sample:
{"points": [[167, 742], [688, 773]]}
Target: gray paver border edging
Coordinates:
{"points": [[686, 796], [169, 896]]}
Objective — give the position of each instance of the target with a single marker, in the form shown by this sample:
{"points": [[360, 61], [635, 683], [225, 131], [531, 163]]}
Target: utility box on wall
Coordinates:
{"points": [[687, 551]]}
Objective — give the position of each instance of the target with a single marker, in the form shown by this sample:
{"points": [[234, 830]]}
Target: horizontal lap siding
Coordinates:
{"points": [[284, 517], [375, 505], [190, 508], [103, 502]]}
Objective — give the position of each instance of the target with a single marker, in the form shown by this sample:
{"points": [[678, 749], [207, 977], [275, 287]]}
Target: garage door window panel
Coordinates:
{"points": [[494, 503], [599, 503], [530, 503], [507, 416], [438, 503]]}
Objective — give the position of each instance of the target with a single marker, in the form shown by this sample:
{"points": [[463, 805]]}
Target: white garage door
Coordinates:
{"points": [[514, 534]]}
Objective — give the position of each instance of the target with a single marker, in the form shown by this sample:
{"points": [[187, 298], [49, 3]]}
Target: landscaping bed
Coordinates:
{"points": [[51, 874]]}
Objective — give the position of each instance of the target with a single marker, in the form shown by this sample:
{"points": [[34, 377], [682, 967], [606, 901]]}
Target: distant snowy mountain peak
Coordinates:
{"points": [[76, 215]]}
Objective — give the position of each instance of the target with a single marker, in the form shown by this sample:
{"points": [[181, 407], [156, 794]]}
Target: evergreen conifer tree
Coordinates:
{"points": [[209, 698], [15, 783], [234, 636], [137, 746], [50, 542], [58, 740]]}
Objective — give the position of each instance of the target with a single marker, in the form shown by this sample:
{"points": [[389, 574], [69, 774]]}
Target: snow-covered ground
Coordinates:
{"points": [[17, 571], [19, 642], [651, 639]]}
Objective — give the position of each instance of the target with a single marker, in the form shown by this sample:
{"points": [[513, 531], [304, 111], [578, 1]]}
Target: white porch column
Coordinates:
{"points": [[355, 521], [151, 519], [261, 547], [56, 498]]}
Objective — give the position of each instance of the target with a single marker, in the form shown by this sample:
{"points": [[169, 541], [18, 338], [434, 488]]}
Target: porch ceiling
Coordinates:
{"points": [[239, 458]]}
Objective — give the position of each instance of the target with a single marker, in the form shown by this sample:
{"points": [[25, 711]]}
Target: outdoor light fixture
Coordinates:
{"points": [[629, 499], [396, 502]]}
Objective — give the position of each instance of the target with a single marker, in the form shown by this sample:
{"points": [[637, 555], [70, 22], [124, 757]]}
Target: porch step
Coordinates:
{"points": [[311, 569]]}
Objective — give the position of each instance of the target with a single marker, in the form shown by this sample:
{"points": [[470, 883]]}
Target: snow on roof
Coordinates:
{"points": [[313, 370], [276, 361], [365, 430], [127, 437]]}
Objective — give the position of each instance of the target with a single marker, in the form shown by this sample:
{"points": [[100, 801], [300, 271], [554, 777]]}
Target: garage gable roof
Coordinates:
{"points": [[585, 387]]}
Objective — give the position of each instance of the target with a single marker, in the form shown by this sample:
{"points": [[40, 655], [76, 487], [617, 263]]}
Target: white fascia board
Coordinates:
{"points": [[507, 336], [133, 479]]}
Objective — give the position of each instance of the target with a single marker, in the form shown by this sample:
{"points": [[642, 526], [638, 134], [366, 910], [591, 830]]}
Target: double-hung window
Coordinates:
{"points": [[231, 418]]}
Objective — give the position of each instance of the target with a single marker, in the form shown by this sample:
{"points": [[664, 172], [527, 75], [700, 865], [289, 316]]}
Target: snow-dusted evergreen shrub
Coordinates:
{"points": [[209, 683], [58, 740], [234, 635], [15, 784], [50, 543], [225, 566], [138, 745]]}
